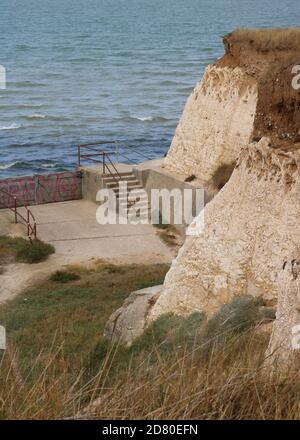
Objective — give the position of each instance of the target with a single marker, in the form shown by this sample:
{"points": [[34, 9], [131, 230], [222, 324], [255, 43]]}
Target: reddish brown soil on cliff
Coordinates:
{"points": [[269, 56]]}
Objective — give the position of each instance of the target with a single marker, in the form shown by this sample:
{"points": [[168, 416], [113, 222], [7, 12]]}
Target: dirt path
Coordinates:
{"points": [[78, 239]]}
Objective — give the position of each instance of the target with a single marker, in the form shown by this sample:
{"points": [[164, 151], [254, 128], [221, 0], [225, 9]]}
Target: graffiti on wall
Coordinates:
{"points": [[40, 189]]}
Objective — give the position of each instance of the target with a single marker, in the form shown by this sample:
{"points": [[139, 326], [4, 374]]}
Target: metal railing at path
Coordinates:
{"points": [[108, 154], [28, 220]]}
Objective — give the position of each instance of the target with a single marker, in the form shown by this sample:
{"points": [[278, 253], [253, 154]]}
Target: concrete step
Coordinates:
{"points": [[123, 174], [116, 178], [129, 183], [143, 212], [126, 197], [127, 208], [144, 205], [140, 194], [124, 200], [135, 187], [109, 179]]}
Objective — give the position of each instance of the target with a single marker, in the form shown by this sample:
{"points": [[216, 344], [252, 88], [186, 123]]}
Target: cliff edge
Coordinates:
{"points": [[244, 96]]}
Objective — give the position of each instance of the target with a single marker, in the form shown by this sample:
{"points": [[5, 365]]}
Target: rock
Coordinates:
{"points": [[284, 341], [215, 125], [252, 223], [129, 321], [250, 227]]}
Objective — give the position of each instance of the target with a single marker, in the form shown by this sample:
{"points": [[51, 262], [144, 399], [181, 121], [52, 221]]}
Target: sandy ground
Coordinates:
{"points": [[78, 239]]}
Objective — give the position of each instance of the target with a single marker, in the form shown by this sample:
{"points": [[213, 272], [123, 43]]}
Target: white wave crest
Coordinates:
{"points": [[10, 165], [143, 118], [36, 116], [49, 165], [13, 126]]}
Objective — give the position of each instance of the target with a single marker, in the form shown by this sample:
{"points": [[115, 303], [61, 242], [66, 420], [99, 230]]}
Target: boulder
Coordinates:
{"points": [[129, 321]]}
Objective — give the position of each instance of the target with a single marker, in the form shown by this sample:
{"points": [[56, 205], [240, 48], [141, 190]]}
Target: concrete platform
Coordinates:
{"points": [[72, 228], [78, 239]]}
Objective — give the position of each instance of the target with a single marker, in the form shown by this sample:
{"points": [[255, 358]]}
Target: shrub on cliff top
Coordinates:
{"points": [[264, 40]]}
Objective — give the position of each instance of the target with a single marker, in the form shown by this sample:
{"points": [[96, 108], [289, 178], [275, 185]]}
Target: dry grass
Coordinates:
{"points": [[52, 330], [228, 384], [185, 386], [59, 366], [264, 40], [168, 233]]}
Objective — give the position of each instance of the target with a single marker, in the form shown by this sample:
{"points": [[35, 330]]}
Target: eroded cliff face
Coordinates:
{"points": [[216, 123], [250, 228], [244, 96], [244, 111]]}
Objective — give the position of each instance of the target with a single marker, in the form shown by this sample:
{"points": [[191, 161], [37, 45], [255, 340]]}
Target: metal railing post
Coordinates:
{"points": [[19, 218], [15, 209], [28, 223], [103, 160], [78, 156]]}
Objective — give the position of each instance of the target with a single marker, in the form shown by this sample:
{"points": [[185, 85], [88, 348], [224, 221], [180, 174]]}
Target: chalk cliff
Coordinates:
{"points": [[243, 117], [245, 110], [245, 95], [249, 230], [216, 123]]}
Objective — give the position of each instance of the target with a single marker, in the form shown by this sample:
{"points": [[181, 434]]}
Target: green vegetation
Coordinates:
{"points": [[34, 252], [67, 322], [23, 250], [64, 276], [57, 362]]}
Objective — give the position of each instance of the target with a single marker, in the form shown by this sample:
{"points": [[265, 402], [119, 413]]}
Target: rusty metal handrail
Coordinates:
{"points": [[29, 221], [104, 157]]}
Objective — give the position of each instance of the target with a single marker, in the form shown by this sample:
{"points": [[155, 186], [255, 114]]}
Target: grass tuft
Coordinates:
{"points": [[63, 276], [34, 252], [264, 40], [22, 250]]}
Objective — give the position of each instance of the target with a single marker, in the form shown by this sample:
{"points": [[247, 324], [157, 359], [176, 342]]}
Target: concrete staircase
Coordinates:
{"points": [[114, 182]]}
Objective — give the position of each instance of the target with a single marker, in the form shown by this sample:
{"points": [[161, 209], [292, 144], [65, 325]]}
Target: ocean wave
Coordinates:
{"points": [[142, 118], [32, 165], [13, 126], [50, 165], [149, 118], [18, 106], [16, 164], [34, 116]]}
